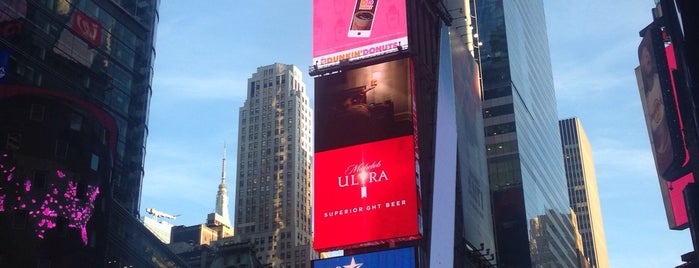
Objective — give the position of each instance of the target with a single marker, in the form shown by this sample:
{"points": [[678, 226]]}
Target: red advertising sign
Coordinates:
{"points": [[357, 29], [673, 199], [366, 194], [88, 28]]}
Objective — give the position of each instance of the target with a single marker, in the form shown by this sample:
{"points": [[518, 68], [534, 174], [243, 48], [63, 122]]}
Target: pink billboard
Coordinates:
{"points": [[352, 30]]}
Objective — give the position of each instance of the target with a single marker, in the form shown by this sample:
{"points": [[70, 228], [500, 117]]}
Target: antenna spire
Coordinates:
{"points": [[223, 166]]}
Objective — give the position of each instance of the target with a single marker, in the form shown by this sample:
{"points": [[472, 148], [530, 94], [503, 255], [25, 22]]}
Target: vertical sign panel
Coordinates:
{"points": [[365, 176]]}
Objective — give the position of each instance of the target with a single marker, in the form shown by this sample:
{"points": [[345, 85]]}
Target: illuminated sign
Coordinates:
{"points": [[664, 121], [404, 258], [4, 60], [353, 30], [659, 101], [88, 28], [673, 199], [62, 200], [11, 28], [363, 105], [365, 176], [366, 194]]}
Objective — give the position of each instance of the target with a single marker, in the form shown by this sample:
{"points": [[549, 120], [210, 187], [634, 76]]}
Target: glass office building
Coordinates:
{"points": [[525, 163], [75, 86]]}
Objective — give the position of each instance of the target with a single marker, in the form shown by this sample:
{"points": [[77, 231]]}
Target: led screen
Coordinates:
{"points": [[62, 200], [366, 194], [363, 105], [660, 105], [357, 29], [403, 258]]}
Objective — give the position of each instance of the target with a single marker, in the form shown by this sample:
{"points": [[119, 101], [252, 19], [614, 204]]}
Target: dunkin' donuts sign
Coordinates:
{"points": [[357, 29]]}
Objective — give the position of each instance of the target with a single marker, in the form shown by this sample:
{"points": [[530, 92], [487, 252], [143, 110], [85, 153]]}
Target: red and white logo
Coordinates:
{"points": [[88, 28], [366, 194]]}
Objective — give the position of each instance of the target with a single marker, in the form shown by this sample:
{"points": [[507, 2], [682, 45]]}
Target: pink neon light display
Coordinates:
{"points": [[44, 206]]}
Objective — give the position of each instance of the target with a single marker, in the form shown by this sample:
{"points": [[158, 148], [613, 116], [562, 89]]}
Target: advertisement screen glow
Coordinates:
{"points": [[365, 194], [363, 105], [357, 29]]}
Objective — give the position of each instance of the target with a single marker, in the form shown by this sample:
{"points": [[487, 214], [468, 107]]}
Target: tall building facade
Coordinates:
{"points": [[582, 190], [525, 163], [75, 87], [273, 183]]}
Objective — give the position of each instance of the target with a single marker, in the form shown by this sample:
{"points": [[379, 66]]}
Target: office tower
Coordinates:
{"points": [[582, 190], [525, 163], [273, 183], [75, 86]]}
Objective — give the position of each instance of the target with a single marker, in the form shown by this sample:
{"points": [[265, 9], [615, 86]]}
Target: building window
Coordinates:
{"points": [[76, 121], [61, 149], [14, 140], [94, 162], [500, 129], [36, 113], [498, 110]]}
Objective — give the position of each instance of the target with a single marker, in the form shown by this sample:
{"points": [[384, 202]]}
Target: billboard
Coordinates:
{"points": [[673, 199], [362, 105], [664, 121], [659, 101], [365, 194], [366, 161], [403, 258], [358, 29]]}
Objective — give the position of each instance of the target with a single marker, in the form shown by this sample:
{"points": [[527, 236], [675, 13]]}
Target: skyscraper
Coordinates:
{"points": [[273, 183], [75, 87], [222, 194], [525, 163], [582, 190], [219, 219]]}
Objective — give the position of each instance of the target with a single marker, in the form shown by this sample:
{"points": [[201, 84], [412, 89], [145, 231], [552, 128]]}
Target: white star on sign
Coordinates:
{"points": [[353, 264]]}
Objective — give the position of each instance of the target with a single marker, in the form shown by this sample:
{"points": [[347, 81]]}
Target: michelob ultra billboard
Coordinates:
{"points": [[357, 29], [366, 184]]}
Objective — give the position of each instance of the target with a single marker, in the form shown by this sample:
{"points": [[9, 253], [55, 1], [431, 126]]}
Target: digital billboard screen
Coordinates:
{"points": [[363, 105], [659, 101], [366, 194], [357, 29], [664, 121], [403, 258]]}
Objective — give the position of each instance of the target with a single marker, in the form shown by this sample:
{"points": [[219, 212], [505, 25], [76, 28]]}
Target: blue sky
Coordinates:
{"points": [[206, 52]]}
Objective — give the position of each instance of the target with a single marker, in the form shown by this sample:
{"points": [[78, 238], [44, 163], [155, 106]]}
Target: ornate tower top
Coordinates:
{"points": [[222, 195]]}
